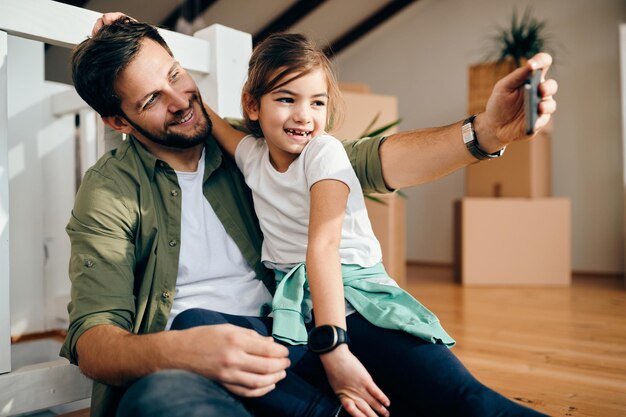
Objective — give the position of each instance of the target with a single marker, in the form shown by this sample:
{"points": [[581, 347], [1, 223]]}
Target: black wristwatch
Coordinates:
{"points": [[325, 338], [471, 141]]}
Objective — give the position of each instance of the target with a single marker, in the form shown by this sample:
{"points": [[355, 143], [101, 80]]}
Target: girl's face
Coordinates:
{"points": [[292, 115]]}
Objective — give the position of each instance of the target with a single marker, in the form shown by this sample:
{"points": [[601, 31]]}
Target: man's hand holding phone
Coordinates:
{"points": [[531, 100], [520, 105]]}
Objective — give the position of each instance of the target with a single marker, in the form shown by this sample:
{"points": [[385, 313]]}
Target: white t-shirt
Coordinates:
{"points": [[212, 272], [282, 201]]}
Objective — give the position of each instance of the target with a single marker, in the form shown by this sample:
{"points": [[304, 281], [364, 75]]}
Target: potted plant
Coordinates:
{"points": [[524, 38], [525, 170], [512, 46]]}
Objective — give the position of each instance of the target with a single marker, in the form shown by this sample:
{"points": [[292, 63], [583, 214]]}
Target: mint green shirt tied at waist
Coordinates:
{"points": [[385, 306]]}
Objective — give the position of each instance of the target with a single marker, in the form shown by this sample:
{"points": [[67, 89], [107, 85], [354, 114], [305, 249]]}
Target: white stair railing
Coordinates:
{"points": [[216, 57]]}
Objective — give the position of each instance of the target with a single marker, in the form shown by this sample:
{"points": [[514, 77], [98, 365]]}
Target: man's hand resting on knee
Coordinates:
{"points": [[246, 363]]}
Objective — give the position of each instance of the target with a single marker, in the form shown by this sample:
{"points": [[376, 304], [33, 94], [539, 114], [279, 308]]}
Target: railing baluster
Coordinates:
{"points": [[5, 322]]}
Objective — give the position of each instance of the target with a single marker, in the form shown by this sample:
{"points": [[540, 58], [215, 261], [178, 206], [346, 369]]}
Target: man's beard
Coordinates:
{"points": [[175, 140]]}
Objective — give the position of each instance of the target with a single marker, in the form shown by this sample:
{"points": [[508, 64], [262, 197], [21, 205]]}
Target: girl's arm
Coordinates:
{"points": [[328, 205], [354, 386], [227, 136]]}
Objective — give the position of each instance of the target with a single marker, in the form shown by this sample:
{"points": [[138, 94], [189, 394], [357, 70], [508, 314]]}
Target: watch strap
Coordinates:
{"points": [[339, 336], [471, 141]]}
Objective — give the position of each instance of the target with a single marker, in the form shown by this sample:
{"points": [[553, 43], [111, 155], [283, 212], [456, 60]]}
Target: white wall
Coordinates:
{"points": [[422, 56]]}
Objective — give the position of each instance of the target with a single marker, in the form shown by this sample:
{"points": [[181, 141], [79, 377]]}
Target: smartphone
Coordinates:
{"points": [[531, 100]]}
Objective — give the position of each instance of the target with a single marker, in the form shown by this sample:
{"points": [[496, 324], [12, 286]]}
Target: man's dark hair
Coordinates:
{"points": [[97, 61]]}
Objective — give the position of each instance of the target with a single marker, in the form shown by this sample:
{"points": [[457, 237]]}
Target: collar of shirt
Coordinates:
{"points": [[213, 156]]}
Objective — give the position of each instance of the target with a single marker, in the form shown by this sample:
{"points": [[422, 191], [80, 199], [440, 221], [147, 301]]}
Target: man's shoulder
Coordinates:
{"points": [[116, 163], [117, 175]]}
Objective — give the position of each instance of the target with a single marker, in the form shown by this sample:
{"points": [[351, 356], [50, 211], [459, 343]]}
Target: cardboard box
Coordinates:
{"points": [[482, 78], [387, 218], [361, 109], [513, 241], [389, 225], [524, 170]]}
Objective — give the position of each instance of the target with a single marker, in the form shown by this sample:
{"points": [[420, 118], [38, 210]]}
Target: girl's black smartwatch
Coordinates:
{"points": [[327, 337]]}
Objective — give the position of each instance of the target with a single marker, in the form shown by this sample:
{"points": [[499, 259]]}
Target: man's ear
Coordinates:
{"points": [[118, 123], [250, 107]]}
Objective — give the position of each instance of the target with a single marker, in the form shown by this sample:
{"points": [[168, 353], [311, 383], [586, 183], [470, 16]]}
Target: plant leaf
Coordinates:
{"points": [[369, 126], [401, 194], [522, 39], [383, 129], [376, 199]]}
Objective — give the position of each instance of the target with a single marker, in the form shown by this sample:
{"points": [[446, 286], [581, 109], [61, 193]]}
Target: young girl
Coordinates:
{"points": [[327, 261], [310, 205]]}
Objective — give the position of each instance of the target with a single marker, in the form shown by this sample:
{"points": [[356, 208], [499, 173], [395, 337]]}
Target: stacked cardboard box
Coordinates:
{"points": [[524, 170], [509, 231], [387, 217], [514, 241], [389, 225]]}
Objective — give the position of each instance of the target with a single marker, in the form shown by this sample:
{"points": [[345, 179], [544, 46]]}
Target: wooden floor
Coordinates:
{"points": [[561, 351]]}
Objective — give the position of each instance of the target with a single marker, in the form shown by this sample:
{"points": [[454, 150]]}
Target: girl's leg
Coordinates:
{"points": [[424, 379], [293, 396]]}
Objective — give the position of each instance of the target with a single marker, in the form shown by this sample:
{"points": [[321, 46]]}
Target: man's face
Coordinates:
{"points": [[161, 101]]}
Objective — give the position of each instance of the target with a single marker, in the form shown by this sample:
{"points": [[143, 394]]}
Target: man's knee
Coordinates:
{"points": [[201, 317], [178, 393]]}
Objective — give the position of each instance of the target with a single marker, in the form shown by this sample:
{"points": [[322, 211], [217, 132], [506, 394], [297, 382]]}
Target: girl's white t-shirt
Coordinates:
{"points": [[212, 272], [282, 201]]}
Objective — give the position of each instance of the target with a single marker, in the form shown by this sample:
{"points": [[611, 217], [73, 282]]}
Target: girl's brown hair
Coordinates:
{"points": [[280, 55]]}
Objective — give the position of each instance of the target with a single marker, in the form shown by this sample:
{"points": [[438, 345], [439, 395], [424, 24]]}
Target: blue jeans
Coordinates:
{"points": [[176, 393], [420, 378], [293, 396]]}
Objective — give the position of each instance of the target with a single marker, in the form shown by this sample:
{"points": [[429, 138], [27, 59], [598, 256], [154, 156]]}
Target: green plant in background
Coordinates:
{"points": [[367, 133], [524, 38]]}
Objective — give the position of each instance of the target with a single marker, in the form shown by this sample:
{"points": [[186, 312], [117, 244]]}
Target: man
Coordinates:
{"points": [[144, 250]]}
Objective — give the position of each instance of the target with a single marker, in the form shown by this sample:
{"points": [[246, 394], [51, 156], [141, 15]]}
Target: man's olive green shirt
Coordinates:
{"points": [[125, 233]]}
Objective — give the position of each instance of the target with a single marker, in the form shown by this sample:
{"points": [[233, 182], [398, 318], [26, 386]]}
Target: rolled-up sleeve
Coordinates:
{"points": [[102, 260], [365, 159]]}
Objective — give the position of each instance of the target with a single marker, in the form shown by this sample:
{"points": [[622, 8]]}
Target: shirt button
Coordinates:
{"points": [[172, 243], [174, 193], [165, 294], [88, 263]]}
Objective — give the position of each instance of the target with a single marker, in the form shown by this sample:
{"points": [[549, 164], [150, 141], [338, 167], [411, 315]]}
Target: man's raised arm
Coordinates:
{"points": [[419, 156]]}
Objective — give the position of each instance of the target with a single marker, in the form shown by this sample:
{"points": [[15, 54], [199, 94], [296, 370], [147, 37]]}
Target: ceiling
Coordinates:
{"points": [[335, 24]]}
